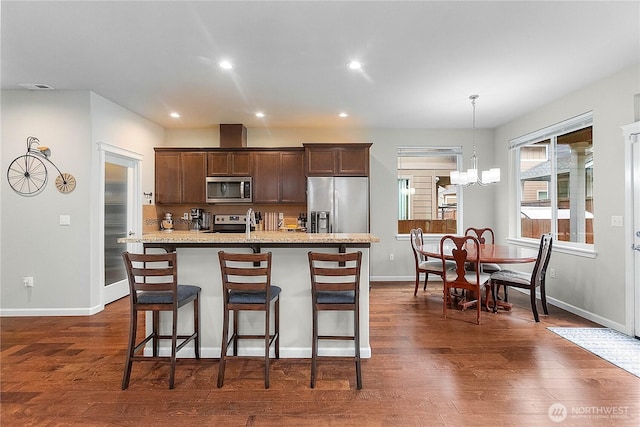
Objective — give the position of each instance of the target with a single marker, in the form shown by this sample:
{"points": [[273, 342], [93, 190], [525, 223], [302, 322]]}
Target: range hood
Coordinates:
{"points": [[233, 136]]}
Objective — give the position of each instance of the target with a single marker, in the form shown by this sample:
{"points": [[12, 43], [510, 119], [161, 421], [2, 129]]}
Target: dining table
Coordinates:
{"points": [[489, 253]]}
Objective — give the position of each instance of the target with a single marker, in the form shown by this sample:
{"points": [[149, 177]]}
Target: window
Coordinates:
{"points": [[555, 181], [426, 199]]}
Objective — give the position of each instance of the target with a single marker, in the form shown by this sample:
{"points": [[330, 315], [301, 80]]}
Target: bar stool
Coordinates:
{"points": [[335, 285], [153, 286], [246, 281]]}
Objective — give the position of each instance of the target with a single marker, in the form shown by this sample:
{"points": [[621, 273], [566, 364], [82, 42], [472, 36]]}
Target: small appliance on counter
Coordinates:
{"points": [[196, 219], [206, 221], [167, 222]]}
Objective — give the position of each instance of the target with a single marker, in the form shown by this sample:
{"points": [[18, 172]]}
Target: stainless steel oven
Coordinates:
{"points": [[231, 189]]}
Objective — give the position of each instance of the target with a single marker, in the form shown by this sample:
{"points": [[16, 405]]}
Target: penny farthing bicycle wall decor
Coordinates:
{"points": [[27, 174]]}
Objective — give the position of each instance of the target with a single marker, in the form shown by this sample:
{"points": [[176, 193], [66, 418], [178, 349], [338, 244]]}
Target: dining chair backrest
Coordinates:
{"points": [[484, 235], [459, 245], [464, 250], [416, 241], [156, 273], [544, 254]]}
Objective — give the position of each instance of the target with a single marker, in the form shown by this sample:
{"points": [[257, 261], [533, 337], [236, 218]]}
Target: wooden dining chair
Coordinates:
{"points": [[424, 264], [536, 279], [246, 283], [335, 285], [484, 235], [473, 282], [153, 286]]}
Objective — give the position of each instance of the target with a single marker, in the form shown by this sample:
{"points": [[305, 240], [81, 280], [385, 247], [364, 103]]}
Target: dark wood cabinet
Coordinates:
{"points": [[278, 177], [266, 177], [229, 163], [180, 176], [293, 181], [168, 171], [337, 159]]}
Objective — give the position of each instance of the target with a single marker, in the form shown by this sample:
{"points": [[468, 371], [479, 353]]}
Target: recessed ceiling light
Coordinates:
{"points": [[175, 115], [259, 114], [355, 65], [343, 115], [226, 65]]}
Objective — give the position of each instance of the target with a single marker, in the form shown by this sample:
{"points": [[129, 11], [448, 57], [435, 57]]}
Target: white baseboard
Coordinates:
{"points": [[52, 312]]}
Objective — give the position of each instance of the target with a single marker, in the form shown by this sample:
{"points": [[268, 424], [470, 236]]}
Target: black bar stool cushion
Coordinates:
{"points": [[184, 293], [336, 297], [236, 297]]}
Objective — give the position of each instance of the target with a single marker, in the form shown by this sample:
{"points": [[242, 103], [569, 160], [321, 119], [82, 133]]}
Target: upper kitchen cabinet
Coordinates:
{"points": [[278, 176], [180, 176], [229, 163], [293, 183], [337, 159]]}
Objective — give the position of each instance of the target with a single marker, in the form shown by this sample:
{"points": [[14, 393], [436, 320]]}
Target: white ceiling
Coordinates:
{"points": [[422, 59]]}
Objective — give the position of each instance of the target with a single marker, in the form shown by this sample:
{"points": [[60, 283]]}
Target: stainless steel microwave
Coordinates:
{"points": [[229, 189]]}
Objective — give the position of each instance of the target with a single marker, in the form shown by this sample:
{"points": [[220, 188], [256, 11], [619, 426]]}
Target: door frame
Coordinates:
{"points": [[107, 151], [631, 134]]}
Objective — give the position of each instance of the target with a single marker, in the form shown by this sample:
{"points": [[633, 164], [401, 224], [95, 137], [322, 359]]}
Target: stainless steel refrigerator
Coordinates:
{"points": [[338, 205]]}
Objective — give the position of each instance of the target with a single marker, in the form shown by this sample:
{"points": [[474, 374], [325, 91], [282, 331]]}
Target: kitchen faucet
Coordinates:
{"points": [[250, 221]]}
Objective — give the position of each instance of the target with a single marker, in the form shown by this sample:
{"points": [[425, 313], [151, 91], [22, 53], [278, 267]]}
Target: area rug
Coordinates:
{"points": [[613, 346]]}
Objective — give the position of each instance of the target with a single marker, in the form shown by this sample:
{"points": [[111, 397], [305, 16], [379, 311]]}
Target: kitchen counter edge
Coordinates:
{"points": [[278, 237]]}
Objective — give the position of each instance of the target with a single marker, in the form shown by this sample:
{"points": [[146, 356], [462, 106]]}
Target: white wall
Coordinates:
{"points": [[594, 287], [33, 244], [32, 241]]}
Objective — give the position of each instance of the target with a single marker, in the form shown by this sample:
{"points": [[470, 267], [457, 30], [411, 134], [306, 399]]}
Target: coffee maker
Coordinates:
{"points": [[196, 219]]}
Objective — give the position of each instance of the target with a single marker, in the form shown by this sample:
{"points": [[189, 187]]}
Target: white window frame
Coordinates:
{"points": [[551, 132], [434, 152]]}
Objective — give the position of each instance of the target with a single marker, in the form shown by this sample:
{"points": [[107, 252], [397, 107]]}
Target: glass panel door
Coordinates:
{"points": [[119, 221], [115, 221]]}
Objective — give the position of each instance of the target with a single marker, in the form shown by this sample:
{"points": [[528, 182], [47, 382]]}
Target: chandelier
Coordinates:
{"points": [[471, 175]]}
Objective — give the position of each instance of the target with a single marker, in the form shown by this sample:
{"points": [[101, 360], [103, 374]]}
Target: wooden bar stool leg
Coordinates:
{"points": [[267, 329], [277, 327], [133, 327], [223, 350], [174, 339], [356, 338], [156, 332], [235, 332], [196, 325], [314, 347]]}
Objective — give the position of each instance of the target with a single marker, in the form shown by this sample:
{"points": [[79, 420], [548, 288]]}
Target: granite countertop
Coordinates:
{"points": [[280, 237]]}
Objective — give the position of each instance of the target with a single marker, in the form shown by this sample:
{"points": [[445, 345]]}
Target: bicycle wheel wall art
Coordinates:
{"points": [[27, 174]]}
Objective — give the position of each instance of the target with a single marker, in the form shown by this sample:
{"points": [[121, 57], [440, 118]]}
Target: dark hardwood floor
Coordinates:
{"points": [[425, 371]]}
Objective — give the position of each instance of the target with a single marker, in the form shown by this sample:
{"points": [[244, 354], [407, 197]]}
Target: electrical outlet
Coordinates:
{"points": [[185, 216], [27, 282], [552, 273], [391, 257]]}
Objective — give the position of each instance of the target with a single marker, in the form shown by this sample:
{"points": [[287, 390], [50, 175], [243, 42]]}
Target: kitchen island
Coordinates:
{"points": [[198, 264]]}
